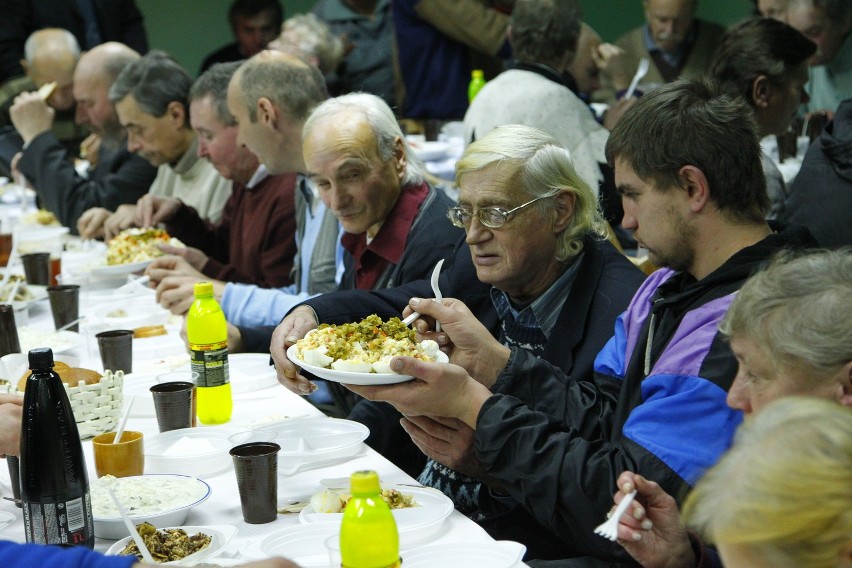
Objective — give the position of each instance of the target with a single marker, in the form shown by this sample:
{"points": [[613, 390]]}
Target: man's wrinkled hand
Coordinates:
{"points": [[10, 424], [154, 209], [176, 293], [31, 116], [291, 329], [193, 256], [463, 338], [120, 220], [447, 441], [90, 225]]}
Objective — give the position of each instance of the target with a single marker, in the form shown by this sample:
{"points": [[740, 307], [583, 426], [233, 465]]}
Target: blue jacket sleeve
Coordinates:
{"points": [[17, 555]]}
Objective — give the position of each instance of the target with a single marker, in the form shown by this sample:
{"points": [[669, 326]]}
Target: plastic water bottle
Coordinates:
{"points": [[54, 484], [477, 81], [368, 534], [207, 332]]}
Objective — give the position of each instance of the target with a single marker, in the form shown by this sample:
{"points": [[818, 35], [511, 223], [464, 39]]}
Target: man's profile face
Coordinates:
{"points": [[814, 24], [254, 33], [218, 142], [93, 107], [583, 68], [159, 140], [354, 181], [669, 21]]}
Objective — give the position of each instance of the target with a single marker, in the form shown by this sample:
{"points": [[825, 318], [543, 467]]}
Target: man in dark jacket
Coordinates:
{"points": [[821, 196], [655, 404], [116, 176], [534, 273]]}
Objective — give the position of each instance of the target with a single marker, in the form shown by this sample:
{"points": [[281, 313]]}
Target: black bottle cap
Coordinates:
{"points": [[41, 358]]}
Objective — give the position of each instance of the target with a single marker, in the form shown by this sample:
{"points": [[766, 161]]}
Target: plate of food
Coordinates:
{"points": [[360, 353], [419, 511], [177, 545], [25, 293], [58, 341], [160, 499], [133, 250]]}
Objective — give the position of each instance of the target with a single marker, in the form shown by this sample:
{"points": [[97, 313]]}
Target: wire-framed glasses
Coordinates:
{"points": [[491, 217]]}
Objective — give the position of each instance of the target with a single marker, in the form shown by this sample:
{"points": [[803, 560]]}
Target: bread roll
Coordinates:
{"points": [[149, 331], [71, 376]]}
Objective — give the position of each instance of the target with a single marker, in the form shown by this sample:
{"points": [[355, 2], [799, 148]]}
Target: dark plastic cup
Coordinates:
{"points": [[174, 404], [15, 477], [65, 305], [116, 348], [8, 331], [37, 268], [256, 466]]}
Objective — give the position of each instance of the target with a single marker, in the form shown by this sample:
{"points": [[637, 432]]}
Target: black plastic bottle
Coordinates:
{"points": [[54, 484]]}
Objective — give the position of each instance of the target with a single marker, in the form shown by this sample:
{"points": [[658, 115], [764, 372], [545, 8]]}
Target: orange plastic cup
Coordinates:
{"points": [[123, 459]]}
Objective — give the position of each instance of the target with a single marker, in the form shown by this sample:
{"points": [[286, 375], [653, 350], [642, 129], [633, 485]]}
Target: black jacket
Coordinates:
{"points": [[120, 177]]}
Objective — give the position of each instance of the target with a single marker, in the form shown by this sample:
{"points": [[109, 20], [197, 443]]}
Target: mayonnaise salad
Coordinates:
{"points": [[364, 347]]}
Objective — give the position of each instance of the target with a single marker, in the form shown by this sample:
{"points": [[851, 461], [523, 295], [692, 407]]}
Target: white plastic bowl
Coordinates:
{"points": [[220, 535], [199, 452], [499, 554], [170, 515], [303, 544]]}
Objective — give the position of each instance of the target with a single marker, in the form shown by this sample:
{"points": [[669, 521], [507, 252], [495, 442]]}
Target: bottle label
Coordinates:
{"points": [[210, 361], [64, 522]]}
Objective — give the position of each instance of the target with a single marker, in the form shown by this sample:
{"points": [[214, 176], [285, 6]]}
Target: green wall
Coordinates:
{"points": [[189, 29]]}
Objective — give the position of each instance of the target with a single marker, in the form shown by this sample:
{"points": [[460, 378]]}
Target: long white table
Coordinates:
{"points": [[223, 506]]}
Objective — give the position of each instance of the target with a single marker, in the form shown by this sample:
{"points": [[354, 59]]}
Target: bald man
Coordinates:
{"points": [[117, 176], [50, 56]]}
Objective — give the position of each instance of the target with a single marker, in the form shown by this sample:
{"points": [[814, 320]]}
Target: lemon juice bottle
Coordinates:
{"points": [[207, 332], [368, 534]]}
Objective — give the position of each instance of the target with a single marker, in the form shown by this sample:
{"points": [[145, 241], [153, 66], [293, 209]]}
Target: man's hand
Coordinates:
{"points": [[120, 220], [174, 279], [440, 390], [154, 209], [90, 148], [31, 116], [447, 441], [196, 258], [291, 329], [651, 530], [10, 424], [613, 62], [171, 265], [463, 337], [90, 225]]}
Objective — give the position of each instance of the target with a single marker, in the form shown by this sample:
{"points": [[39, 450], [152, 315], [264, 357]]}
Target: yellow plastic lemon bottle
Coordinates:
{"points": [[477, 81], [368, 534], [207, 332]]}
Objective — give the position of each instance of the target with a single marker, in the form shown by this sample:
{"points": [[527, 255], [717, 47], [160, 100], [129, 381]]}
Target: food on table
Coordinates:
{"points": [[149, 331], [331, 501], [144, 495], [137, 245], [22, 295], [30, 338], [41, 217], [364, 347], [71, 376], [119, 313], [166, 545]]}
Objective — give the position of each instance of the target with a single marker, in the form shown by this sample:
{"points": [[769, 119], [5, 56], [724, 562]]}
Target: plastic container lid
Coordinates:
{"points": [[41, 358], [203, 289], [365, 482]]}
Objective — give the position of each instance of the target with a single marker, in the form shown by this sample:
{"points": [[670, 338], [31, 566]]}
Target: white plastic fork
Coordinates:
{"points": [[609, 529], [644, 65], [436, 274]]}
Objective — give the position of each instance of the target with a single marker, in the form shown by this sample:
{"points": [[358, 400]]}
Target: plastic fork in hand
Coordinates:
{"points": [[609, 529], [436, 273]]}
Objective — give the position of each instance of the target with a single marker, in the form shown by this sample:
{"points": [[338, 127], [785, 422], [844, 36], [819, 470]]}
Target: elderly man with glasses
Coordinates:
{"points": [[535, 272]]}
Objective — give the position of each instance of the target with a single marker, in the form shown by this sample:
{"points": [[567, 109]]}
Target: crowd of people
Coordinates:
{"points": [[285, 170]]}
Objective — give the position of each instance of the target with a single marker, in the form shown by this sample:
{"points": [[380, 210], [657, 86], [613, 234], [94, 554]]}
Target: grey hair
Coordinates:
{"points": [[382, 122], [53, 38], [154, 80], [294, 87], [311, 36], [544, 168], [545, 31], [213, 83], [799, 310]]}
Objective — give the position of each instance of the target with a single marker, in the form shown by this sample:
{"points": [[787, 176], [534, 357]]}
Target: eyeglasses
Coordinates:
{"points": [[490, 217]]}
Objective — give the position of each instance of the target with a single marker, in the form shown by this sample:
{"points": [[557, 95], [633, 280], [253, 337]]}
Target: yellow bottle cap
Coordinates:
{"points": [[203, 289], [477, 74], [365, 482]]}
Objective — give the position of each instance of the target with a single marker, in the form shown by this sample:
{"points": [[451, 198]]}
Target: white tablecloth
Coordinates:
{"points": [[223, 507]]}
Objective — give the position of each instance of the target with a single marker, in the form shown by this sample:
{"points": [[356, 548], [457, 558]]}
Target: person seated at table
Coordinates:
{"points": [[789, 328], [369, 178], [821, 195], [828, 23], [115, 176], [151, 99], [308, 37], [535, 272], [50, 56], [766, 62], [665, 372], [254, 242], [254, 24]]}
